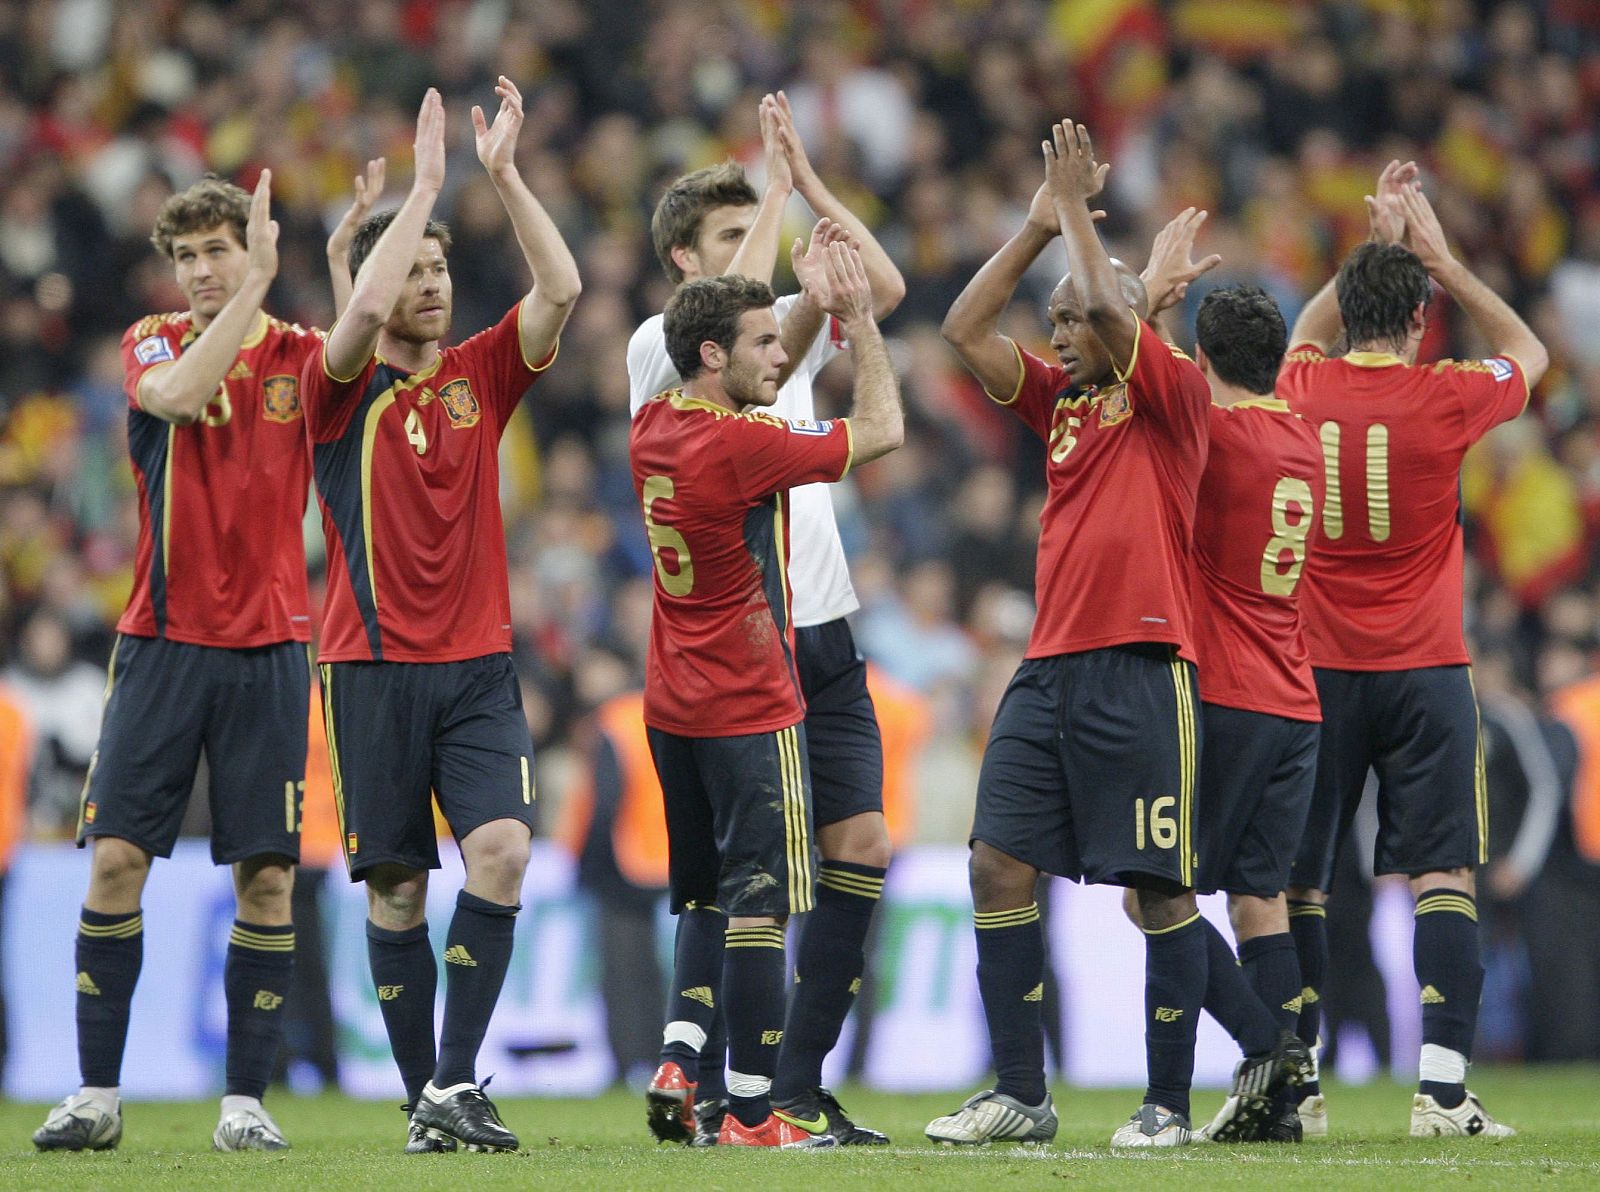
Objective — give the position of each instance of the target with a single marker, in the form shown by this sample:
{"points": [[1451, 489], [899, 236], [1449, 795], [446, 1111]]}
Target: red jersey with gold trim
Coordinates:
{"points": [[1254, 523], [1122, 467], [714, 487], [1384, 590], [221, 558], [408, 476]]}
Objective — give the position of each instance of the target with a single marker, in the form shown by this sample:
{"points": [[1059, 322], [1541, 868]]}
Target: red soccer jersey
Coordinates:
{"points": [[1254, 522], [408, 475], [714, 486], [1384, 589], [1122, 467], [221, 559]]}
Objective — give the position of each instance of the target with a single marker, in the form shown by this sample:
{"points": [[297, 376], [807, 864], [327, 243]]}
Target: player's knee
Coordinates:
{"points": [[263, 889], [1252, 917], [117, 873], [860, 840], [999, 882], [1164, 904], [496, 856], [1130, 907], [396, 896], [1306, 894]]}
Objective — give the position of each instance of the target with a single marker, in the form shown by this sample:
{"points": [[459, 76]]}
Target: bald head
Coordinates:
{"points": [[1132, 287]]}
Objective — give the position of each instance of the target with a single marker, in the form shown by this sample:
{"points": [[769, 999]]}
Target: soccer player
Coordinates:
{"points": [[209, 655], [1382, 603], [1090, 767], [709, 223], [723, 701], [418, 687], [1253, 530]]}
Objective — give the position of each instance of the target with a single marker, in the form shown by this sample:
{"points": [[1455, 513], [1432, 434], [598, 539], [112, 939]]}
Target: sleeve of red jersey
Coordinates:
{"points": [[1166, 386], [495, 356], [1297, 365], [147, 345], [1038, 385], [329, 402], [1490, 391], [768, 454]]}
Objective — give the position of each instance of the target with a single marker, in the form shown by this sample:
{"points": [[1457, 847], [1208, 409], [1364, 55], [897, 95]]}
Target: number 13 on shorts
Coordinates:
{"points": [[1157, 823]]}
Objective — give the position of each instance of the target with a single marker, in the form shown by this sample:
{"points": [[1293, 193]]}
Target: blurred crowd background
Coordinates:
{"points": [[925, 117]]}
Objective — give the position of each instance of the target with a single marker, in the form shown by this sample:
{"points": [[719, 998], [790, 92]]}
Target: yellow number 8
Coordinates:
{"points": [[219, 410], [681, 581], [1291, 490]]}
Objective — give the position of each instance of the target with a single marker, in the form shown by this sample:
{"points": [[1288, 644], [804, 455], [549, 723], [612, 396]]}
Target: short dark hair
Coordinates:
{"points": [[1379, 285], [1241, 331], [681, 211], [374, 226], [708, 308], [209, 203]]}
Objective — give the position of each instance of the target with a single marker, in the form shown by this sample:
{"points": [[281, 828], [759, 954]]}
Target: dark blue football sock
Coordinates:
{"points": [[406, 979], [477, 953], [1176, 963], [753, 975], [255, 977], [1011, 980], [110, 950]]}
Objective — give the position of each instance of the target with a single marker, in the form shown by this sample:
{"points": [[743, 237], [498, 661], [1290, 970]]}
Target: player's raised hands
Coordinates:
{"points": [[800, 167], [775, 145], [261, 230], [1172, 265], [368, 187], [849, 297], [1385, 212], [809, 260], [1071, 174], [429, 145], [1424, 234], [1042, 211], [497, 142]]}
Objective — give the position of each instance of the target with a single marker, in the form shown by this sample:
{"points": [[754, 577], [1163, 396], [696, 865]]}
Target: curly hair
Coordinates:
{"points": [[209, 203], [1241, 331], [1379, 285], [708, 308]]}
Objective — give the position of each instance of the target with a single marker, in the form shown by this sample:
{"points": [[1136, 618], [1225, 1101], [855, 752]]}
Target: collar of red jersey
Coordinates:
{"points": [[1373, 359], [1260, 403]]}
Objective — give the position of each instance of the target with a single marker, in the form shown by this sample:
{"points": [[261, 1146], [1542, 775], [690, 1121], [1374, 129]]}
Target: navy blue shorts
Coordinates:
{"points": [[1090, 768], [165, 702], [1418, 729], [738, 820], [842, 741], [400, 730], [1256, 775]]}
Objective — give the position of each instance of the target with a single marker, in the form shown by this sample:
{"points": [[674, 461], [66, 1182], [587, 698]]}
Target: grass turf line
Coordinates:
{"points": [[602, 1144]]}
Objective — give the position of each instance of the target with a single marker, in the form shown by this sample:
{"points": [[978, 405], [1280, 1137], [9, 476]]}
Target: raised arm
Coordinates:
{"points": [[1319, 322], [757, 254], [178, 392], [888, 286], [1172, 265], [805, 316], [1074, 177], [368, 188], [556, 285], [354, 337], [1501, 326], [877, 422], [972, 325]]}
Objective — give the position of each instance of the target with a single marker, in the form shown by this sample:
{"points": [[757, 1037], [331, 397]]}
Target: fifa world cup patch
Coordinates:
{"points": [[1500, 369], [153, 349], [808, 426], [280, 398], [460, 403]]}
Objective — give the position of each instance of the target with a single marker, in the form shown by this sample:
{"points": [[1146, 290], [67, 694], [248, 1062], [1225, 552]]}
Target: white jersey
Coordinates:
{"points": [[819, 577]]}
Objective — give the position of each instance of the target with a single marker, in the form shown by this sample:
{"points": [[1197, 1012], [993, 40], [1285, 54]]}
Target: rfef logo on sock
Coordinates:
{"points": [[267, 1000]]}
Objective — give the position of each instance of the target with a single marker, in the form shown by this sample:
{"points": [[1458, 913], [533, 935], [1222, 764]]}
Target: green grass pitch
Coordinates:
{"points": [[602, 1144]]}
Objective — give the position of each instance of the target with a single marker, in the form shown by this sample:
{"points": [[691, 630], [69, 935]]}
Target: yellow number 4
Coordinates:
{"points": [[416, 433]]}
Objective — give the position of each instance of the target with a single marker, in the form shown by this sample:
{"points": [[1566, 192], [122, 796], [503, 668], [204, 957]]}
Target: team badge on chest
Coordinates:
{"points": [[1115, 406], [460, 403], [280, 399]]}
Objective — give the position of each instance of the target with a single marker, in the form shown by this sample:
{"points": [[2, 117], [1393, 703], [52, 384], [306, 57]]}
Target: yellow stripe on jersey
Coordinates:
{"points": [[333, 759], [166, 503], [369, 434]]}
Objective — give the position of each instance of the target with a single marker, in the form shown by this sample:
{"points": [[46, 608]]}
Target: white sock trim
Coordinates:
{"points": [[742, 1084], [106, 1098], [234, 1102], [681, 1030], [1441, 1065]]}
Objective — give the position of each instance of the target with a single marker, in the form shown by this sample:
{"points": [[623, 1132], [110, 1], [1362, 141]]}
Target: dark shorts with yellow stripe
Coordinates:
{"points": [[400, 731], [1090, 768], [738, 820], [843, 745], [1256, 775], [1418, 729], [166, 703]]}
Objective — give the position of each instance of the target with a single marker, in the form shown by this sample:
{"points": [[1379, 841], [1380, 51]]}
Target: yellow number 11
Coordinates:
{"points": [[1377, 482]]}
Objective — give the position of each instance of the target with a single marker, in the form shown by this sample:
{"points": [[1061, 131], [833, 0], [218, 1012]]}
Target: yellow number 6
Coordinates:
{"points": [[681, 581]]}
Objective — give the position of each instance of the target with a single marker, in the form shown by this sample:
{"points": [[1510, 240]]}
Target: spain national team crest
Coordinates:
{"points": [[460, 403], [1115, 406], [280, 399]]}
